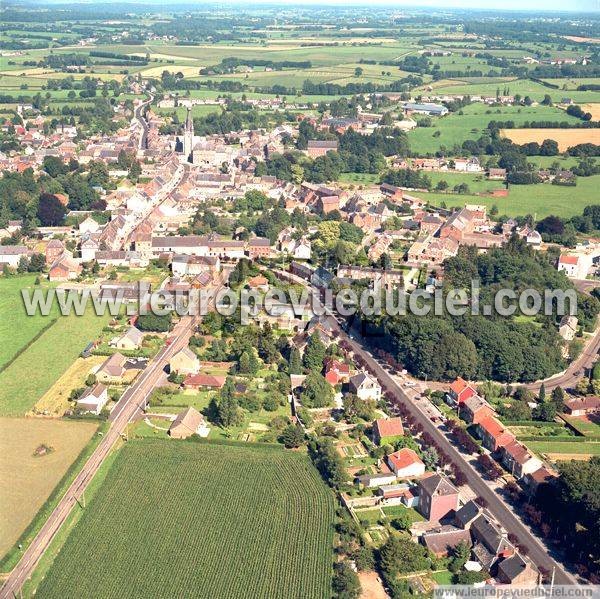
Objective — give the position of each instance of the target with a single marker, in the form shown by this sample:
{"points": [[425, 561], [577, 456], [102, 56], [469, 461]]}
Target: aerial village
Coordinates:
{"points": [[397, 477]]}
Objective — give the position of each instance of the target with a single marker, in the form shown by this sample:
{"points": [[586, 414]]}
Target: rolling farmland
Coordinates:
{"points": [[177, 518], [564, 137]]}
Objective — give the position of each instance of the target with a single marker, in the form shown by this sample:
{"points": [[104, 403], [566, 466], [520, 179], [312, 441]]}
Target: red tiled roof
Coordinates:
{"points": [[566, 259], [204, 380], [389, 427], [404, 458]]}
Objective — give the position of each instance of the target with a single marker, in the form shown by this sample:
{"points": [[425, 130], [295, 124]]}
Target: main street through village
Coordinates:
{"points": [[536, 550], [417, 408]]}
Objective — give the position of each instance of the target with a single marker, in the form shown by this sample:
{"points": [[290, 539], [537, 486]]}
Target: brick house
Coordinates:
{"points": [[475, 409], [438, 497], [493, 435], [460, 391], [317, 147]]}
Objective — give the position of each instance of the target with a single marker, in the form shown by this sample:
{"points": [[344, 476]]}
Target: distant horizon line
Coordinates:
{"points": [[392, 5]]}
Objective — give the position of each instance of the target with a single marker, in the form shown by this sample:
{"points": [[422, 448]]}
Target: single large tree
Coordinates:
{"points": [[51, 212]]}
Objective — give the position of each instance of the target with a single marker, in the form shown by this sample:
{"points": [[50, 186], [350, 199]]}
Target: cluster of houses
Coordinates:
{"points": [[403, 480], [495, 437], [580, 262]]}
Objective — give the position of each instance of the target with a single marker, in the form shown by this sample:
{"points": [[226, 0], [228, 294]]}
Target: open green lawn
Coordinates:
{"points": [[455, 128], [177, 518], [583, 425], [34, 371], [255, 424], [359, 178], [443, 577], [564, 447], [16, 328], [393, 511], [540, 200], [478, 183]]}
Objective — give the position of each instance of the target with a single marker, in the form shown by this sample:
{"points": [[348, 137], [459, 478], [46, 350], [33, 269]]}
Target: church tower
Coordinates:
{"points": [[188, 136]]}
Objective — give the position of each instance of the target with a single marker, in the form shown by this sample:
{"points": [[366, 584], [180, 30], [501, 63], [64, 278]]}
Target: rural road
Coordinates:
{"points": [[536, 550], [127, 407]]}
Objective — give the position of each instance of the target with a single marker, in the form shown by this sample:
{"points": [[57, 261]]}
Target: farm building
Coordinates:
{"points": [[582, 406]]}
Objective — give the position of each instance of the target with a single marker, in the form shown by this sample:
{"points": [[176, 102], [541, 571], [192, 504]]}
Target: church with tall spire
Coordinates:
{"points": [[188, 136]]}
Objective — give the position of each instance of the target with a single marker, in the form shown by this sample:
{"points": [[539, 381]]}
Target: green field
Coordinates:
{"points": [[565, 447], [16, 328], [34, 371], [181, 519], [456, 128], [584, 426], [535, 90], [539, 200]]}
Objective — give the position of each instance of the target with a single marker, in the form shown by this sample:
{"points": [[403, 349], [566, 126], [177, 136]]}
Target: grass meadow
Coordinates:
{"points": [[456, 128], [37, 368], [539, 200], [16, 328]]}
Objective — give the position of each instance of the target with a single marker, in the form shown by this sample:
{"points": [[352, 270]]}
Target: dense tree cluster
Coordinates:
{"points": [[484, 347]]}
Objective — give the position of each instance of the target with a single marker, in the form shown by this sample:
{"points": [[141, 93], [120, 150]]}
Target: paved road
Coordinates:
{"points": [[575, 370], [536, 550], [124, 411], [138, 114]]}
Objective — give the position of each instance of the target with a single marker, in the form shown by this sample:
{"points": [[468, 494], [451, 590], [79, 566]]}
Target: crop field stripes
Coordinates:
{"points": [[182, 518]]}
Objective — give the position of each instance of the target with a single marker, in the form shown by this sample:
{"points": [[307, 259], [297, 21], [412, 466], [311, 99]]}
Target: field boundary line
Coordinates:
{"points": [[29, 343]]}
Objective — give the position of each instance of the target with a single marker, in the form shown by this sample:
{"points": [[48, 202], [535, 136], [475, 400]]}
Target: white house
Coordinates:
{"points": [[89, 225], [302, 251], [406, 463], [94, 399], [89, 247], [575, 266], [11, 254], [364, 386], [568, 327], [131, 339]]}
